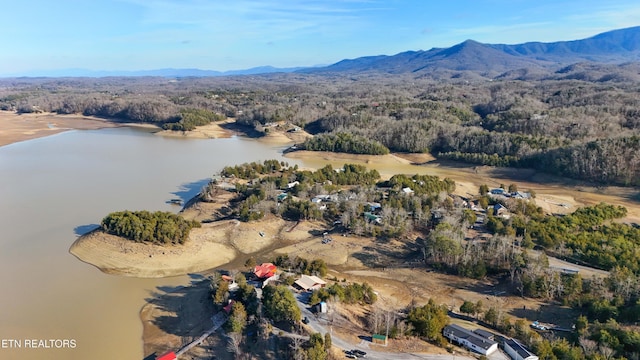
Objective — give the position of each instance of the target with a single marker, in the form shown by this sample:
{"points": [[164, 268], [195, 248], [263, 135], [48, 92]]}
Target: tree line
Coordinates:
{"points": [[576, 128], [160, 227]]}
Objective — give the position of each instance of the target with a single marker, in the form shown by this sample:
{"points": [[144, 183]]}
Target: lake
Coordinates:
{"points": [[51, 190]]}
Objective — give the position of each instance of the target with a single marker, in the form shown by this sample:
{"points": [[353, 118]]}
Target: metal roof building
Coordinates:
{"points": [[517, 351], [469, 339]]}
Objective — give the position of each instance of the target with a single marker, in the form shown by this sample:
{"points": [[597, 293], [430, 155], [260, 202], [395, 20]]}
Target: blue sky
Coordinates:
{"points": [[239, 34]]}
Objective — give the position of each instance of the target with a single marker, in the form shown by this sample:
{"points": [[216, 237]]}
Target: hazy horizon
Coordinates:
{"points": [[136, 35]]}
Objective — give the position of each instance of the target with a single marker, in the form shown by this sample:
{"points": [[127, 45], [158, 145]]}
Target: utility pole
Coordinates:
{"points": [[387, 335]]}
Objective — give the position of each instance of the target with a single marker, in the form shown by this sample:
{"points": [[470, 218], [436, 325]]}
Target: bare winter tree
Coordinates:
{"points": [[296, 346], [589, 347], [233, 344]]}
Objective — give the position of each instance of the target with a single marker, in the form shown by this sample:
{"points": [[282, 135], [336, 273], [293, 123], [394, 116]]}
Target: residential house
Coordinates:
{"points": [[310, 282], [168, 356], [469, 339], [372, 218], [374, 206], [265, 270], [499, 210], [485, 334], [517, 351], [233, 285], [521, 195]]}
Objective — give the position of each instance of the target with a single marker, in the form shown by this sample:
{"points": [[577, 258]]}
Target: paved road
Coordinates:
{"points": [[320, 325]]}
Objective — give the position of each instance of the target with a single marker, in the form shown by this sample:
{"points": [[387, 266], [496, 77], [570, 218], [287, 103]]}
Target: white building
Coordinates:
{"points": [[469, 339], [517, 351], [308, 283]]}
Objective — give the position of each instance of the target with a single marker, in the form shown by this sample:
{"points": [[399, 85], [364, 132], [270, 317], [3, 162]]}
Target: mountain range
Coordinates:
{"points": [[612, 55], [601, 53]]}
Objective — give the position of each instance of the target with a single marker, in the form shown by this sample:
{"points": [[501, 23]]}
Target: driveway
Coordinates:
{"points": [[321, 325]]}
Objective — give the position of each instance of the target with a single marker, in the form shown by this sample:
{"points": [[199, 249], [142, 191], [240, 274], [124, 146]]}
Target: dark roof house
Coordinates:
{"points": [[517, 351], [469, 339]]}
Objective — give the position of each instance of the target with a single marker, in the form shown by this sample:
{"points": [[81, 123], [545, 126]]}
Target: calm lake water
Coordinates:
{"points": [[54, 188]]}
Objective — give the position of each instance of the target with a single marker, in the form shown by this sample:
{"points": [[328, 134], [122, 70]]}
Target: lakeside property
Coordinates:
{"points": [[568, 191]]}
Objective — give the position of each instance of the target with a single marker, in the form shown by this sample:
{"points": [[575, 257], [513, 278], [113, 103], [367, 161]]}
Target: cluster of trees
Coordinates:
{"points": [[281, 174], [301, 210], [422, 184], [158, 227], [587, 235], [301, 265], [253, 170], [190, 118], [279, 304], [428, 321], [347, 293], [345, 143]]}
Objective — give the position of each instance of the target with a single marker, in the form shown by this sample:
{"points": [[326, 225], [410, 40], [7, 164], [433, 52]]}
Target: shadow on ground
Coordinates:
{"points": [[188, 191], [183, 310], [85, 229]]}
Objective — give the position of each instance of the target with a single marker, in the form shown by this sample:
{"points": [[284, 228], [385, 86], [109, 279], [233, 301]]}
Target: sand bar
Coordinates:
{"points": [[16, 127], [205, 249]]}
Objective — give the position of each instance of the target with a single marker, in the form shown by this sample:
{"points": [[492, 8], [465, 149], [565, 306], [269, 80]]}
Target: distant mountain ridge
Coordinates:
{"points": [[527, 61], [612, 47], [169, 72]]}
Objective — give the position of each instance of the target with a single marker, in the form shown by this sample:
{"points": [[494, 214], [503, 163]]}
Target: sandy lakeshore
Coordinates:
{"points": [[211, 131], [16, 127], [214, 244], [205, 249]]}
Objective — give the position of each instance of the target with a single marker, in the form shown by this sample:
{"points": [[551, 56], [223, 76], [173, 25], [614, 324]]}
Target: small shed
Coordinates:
{"points": [[168, 356], [379, 339]]}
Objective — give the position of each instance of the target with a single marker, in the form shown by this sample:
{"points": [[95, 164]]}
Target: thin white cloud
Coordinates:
{"points": [[609, 17], [242, 20]]}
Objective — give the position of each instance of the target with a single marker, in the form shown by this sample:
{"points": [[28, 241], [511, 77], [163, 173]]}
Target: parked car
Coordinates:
{"points": [[359, 353], [305, 320], [351, 356]]}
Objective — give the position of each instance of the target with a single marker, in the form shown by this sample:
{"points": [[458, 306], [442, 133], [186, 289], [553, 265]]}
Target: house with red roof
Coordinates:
{"points": [[265, 270], [168, 356]]}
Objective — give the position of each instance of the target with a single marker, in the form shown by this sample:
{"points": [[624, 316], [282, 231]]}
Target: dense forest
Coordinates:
{"points": [[584, 129]]}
